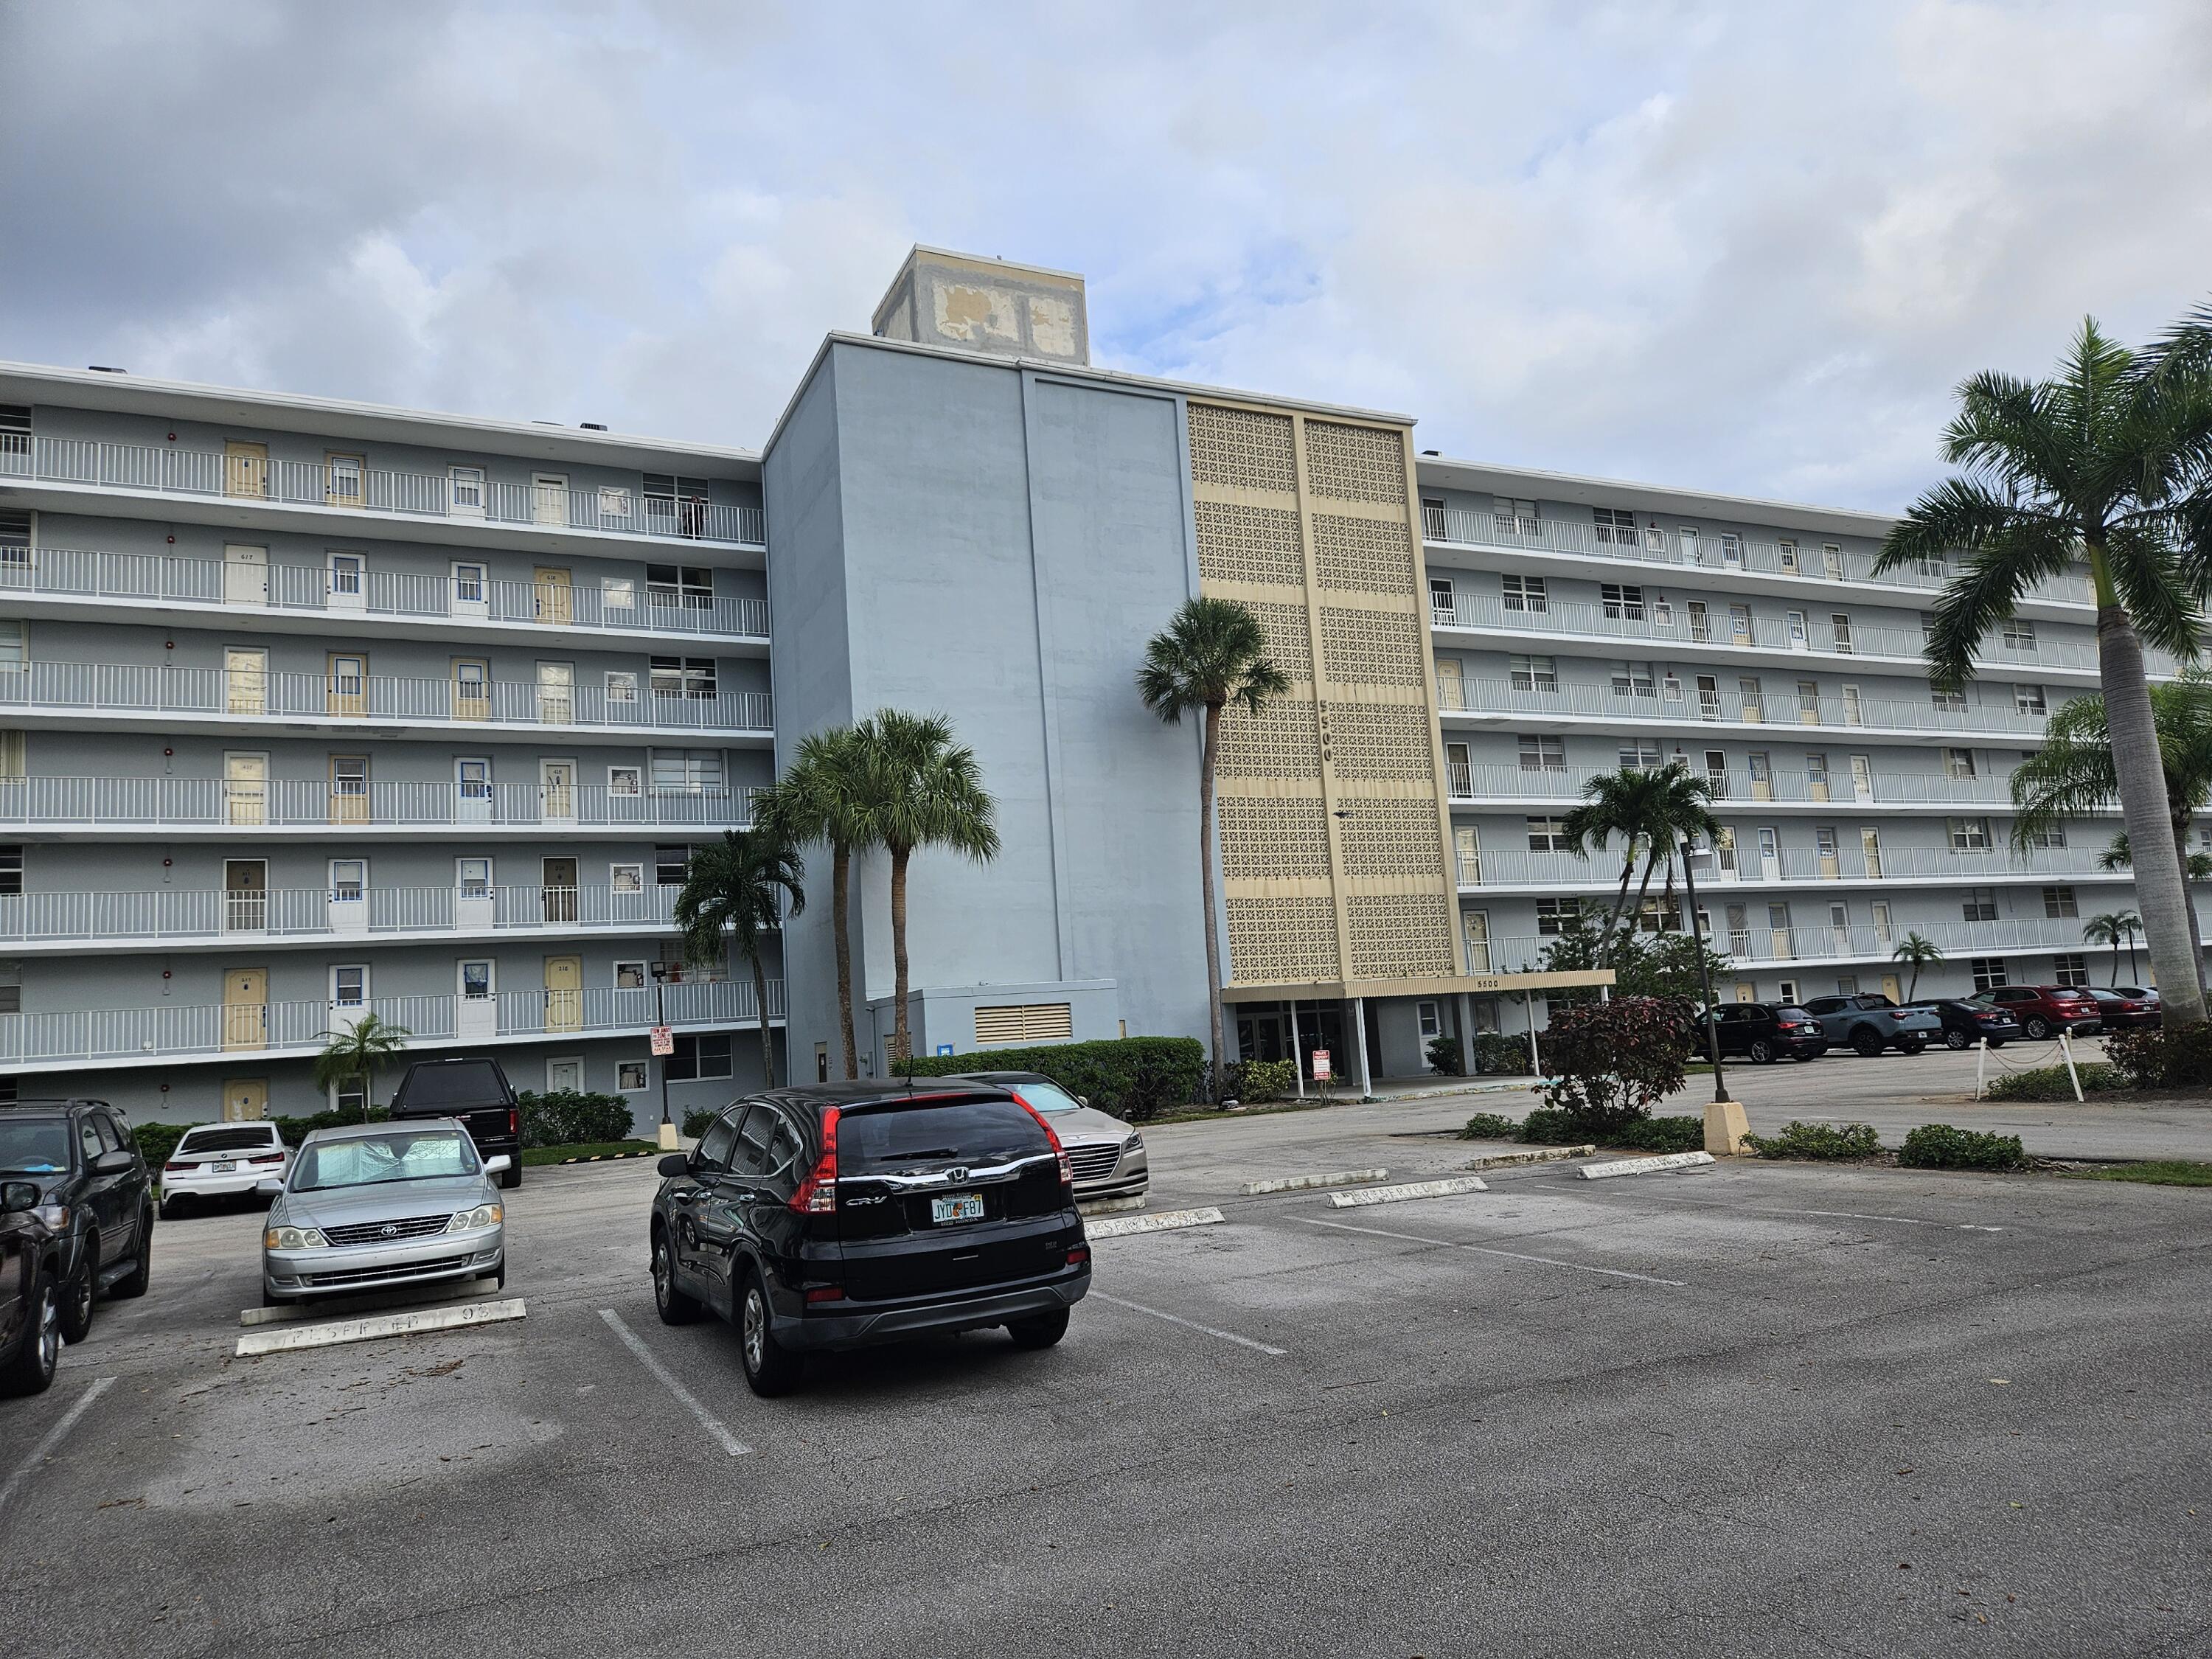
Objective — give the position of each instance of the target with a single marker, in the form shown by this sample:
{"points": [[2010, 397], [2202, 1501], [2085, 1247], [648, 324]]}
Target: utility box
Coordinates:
{"points": [[988, 306]]}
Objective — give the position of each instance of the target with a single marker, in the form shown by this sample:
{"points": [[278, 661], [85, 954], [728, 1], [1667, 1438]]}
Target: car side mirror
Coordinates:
{"points": [[270, 1185], [1083, 1100], [118, 1161], [18, 1195], [497, 1163], [676, 1163]]}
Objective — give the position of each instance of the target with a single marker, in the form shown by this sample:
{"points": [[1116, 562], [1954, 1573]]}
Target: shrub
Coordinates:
{"points": [[1662, 1134], [695, 1120], [157, 1140], [2052, 1082], [294, 1130], [572, 1117], [1828, 1142], [1940, 1146], [1133, 1078], [1490, 1126], [1496, 1054], [2154, 1058], [1251, 1080], [1548, 1126], [1443, 1056], [1610, 1062]]}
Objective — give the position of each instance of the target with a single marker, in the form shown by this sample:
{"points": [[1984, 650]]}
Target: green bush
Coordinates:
{"points": [[695, 1120], [1490, 1126], [2154, 1058], [157, 1140], [1252, 1081], [297, 1129], [2052, 1082], [1940, 1146], [1608, 1063], [571, 1118], [1548, 1126], [1828, 1142], [1498, 1055], [1443, 1056], [1662, 1134], [1133, 1078]]}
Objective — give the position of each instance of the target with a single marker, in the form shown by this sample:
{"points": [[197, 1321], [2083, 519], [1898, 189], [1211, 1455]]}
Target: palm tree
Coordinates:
{"points": [[1919, 951], [922, 790], [1211, 654], [733, 894], [824, 796], [355, 1051], [2114, 927], [2196, 866], [1652, 810], [2091, 465]]}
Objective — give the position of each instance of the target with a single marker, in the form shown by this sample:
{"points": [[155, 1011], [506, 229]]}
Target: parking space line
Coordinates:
{"points": [[708, 1420], [1485, 1249], [44, 1448], [1191, 1324]]}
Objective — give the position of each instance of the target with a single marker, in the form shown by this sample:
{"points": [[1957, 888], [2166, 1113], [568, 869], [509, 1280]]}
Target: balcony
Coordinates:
{"points": [[345, 595], [245, 697], [315, 809], [1469, 527], [1742, 865], [163, 1035], [1668, 701], [1855, 942], [461, 497], [1473, 784]]}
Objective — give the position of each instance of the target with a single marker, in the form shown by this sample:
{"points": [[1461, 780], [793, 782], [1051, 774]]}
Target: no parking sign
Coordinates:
{"points": [[1321, 1066]]}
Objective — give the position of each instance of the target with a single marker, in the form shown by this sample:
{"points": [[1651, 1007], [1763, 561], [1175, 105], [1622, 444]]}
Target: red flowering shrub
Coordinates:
{"points": [[1608, 1063]]}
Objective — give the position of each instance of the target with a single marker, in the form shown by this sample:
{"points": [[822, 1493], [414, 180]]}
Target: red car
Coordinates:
{"points": [[2125, 1006], [2044, 1011]]}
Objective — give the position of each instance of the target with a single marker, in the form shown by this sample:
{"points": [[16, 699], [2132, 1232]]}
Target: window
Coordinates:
{"points": [[2019, 634], [474, 778], [1615, 525], [683, 677], [1927, 628], [686, 771], [468, 584], [1443, 606], [700, 1054], [1958, 764], [1533, 674], [630, 1076], [1556, 916], [631, 976], [669, 864], [1515, 517], [691, 586], [2070, 969], [621, 685], [1547, 836], [1623, 602], [624, 779], [676, 506], [1430, 1017], [2055, 836], [626, 878], [1970, 834], [1989, 972], [472, 877], [1540, 753], [466, 491], [1794, 626], [349, 576], [11, 869], [349, 878], [614, 503], [1634, 679], [1949, 701], [1640, 753], [2059, 902], [476, 982], [1847, 985], [2028, 700], [1979, 904], [1670, 687], [1786, 992], [346, 476], [1701, 625], [349, 988], [1839, 625], [617, 593], [1525, 593], [1787, 553]]}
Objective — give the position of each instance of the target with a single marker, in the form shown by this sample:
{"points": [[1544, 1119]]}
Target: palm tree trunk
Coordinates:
{"points": [[760, 1004], [2159, 895], [1913, 991], [2188, 900], [902, 1038], [1620, 903], [840, 871], [1209, 752], [1643, 887]]}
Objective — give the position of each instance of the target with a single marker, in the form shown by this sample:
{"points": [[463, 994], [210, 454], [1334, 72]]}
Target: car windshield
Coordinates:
{"points": [[903, 1139], [1047, 1097], [378, 1160], [37, 1145]]}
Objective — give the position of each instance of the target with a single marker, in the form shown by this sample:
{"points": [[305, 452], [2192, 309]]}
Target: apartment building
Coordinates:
{"points": [[313, 710], [310, 709]]}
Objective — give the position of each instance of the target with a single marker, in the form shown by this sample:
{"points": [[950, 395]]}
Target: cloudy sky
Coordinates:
{"points": [[1746, 247]]}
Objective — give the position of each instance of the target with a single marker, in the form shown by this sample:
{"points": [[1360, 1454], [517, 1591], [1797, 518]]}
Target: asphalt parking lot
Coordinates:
{"points": [[1761, 1409]]}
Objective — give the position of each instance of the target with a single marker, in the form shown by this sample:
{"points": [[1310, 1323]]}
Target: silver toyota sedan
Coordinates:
{"points": [[374, 1207]]}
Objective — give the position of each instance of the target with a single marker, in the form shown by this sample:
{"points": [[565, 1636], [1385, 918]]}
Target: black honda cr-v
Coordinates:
{"points": [[839, 1215]]}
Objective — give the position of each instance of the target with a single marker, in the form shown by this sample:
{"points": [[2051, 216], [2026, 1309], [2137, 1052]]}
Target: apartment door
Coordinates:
{"points": [[1709, 697], [246, 1008], [348, 582], [345, 480], [471, 688], [1770, 856], [476, 1006], [1870, 850], [1839, 927], [557, 693], [1761, 767], [244, 575], [564, 993], [244, 1099], [1739, 928], [1467, 844], [1739, 624], [1477, 926], [1717, 778], [474, 905], [1892, 989], [556, 791], [245, 469], [472, 788], [1808, 703], [1778, 930], [245, 789], [245, 895], [1861, 777], [1816, 775], [1832, 562], [245, 680], [558, 886], [549, 498], [555, 595], [1724, 863], [471, 589], [349, 686], [348, 896], [349, 789], [1885, 931], [1745, 991], [1854, 710], [1451, 683]]}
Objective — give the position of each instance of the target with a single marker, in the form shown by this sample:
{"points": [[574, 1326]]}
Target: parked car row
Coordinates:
{"points": [[1869, 1022]]}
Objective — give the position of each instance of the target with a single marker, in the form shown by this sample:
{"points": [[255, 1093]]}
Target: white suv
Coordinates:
{"points": [[217, 1160]]}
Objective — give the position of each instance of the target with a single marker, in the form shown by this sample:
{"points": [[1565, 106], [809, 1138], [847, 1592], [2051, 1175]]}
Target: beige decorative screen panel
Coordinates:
{"points": [[1288, 939], [1273, 838], [1242, 543]]}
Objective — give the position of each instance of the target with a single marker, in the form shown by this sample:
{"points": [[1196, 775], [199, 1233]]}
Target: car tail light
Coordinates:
{"points": [[1066, 1169], [173, 1168], [514, 1120], [267, 1157], [818, 1193], [826, 1293], [1079, 1255]]}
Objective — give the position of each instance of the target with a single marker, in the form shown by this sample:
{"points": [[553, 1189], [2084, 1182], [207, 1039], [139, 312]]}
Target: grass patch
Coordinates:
{"points": [[537, 1155], [2157, 1172], [2050, 1082]]}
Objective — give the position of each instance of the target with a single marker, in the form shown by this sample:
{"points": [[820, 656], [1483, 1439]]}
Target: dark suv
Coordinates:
{"points": [[475, 1090], [94, 1194], [1761, 1032], [1870, 1022], [31, 1268], [842, 1214], [2044, 1010]]}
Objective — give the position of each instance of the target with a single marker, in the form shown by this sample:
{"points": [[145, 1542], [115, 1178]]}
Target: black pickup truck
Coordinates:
{"points": [[474, 1090]]}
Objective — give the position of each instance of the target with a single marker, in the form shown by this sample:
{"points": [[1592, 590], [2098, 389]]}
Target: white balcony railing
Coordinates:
{"points": [[170, 470], [1757, 941], [1745, 866], [259, 694], [1470, 528], [156, 1034], [62, 803], [1673, 698], [1730, 787], [165, 578]]}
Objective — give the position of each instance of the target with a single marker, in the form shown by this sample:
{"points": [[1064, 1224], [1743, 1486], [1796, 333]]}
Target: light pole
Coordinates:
{"points": [[668, 1141], [1690, 855]]}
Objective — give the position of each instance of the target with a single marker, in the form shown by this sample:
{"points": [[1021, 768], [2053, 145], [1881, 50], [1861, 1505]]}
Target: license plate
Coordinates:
{"points": [[226, 1166], [957, 1206]]}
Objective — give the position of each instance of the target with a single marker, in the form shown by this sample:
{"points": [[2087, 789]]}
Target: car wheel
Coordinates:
{"points": [[1866, 1042], [771, 1368], [142, 1271], [2036, 1026], [511, 1177], [1039, 1332], [669, 1300], [1913, 1046], [33, 1368], [1998, 1042], [77, 1293], [1953, 1038], [1761, 1051]]}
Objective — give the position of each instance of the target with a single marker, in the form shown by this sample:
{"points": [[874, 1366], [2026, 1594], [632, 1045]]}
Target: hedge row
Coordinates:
{"points": [[567, 1118], [1133, 1078]]}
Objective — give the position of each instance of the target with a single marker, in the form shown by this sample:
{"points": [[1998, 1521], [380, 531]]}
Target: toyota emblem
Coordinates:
{"points": [[389, 1230]]}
